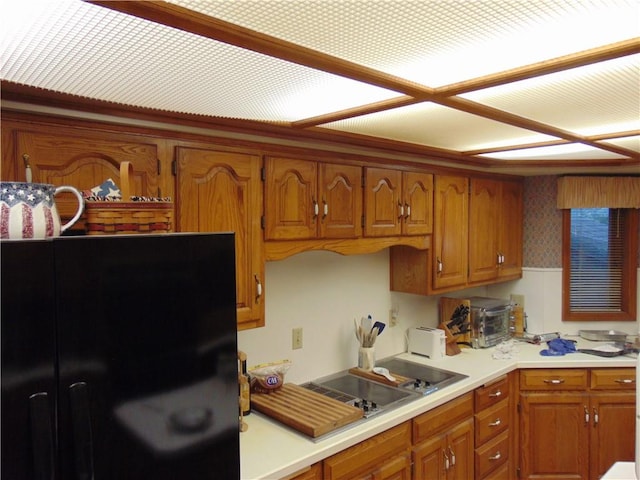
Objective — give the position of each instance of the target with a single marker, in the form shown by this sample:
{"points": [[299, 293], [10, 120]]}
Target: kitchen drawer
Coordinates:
{"points": [[613, 379], [554, 379], [442, 418], [492, 455], [491, 421], [356, 461], [492, 393], [501, 473]]}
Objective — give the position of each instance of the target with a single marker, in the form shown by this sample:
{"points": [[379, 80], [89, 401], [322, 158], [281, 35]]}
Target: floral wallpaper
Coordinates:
{"points": [[543, 224]]}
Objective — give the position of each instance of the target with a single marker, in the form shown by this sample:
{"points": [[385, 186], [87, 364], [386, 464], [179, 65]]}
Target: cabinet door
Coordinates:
{"points": [[340, 189], [450, 231], [612, 436], [459, 449], [382, 202], [220, 192], [291, 199], [554, 435], [418, 203], [429, 459], [511, 225], [484, 211], [85, 161]]}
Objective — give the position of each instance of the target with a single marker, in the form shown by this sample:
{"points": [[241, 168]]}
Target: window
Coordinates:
{"points": [[599, 255]]}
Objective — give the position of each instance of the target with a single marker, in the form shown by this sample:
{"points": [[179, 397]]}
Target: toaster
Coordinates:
{"points": [[430, 342]]}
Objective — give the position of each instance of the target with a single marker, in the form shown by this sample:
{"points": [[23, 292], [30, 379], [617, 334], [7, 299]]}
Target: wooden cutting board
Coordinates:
{"points": [[308, 412]]}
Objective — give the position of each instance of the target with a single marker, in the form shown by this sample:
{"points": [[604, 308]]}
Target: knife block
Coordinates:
{"points": [[452, 347], [447, 306]]}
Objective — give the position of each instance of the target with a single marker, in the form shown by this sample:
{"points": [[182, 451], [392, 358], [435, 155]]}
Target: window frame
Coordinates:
{"points": [[629, 273]]}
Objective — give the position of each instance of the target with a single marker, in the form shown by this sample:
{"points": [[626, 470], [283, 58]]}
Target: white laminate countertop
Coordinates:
{"points": [[270, 450]]}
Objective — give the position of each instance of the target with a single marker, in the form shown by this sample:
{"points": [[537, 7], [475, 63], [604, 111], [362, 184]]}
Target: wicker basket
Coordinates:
{"points": [[112, 218]]}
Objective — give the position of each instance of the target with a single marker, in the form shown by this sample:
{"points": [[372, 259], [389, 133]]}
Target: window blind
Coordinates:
{"points": [[597, 256]]}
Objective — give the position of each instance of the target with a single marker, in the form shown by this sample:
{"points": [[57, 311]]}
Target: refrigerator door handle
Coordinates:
{"points": [[81, 426], [41, 436]]}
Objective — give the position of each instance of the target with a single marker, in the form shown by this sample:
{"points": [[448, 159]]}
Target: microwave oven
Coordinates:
{"points": [[490, 321]]}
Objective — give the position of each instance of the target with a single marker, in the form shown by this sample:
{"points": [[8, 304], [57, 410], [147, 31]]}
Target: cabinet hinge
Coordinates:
{"points": [[263, 174], [158, 165], [174, 168]]}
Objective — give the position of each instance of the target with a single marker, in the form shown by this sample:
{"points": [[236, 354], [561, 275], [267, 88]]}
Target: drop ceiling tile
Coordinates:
{"points": [[590, 100], [435, 42], [74, 47]]}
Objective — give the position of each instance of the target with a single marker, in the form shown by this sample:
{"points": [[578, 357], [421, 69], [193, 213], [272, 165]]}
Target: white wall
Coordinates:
{"points": [[542, 288], [323, 292]]}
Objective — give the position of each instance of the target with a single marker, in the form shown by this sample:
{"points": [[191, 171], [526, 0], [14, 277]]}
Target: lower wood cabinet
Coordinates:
{"points": [[443, 441], [575, 423], [386, 456]]}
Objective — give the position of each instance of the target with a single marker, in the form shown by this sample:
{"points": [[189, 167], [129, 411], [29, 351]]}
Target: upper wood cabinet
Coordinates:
{"points": [[84, 160], [306, 199], [495, 229], [511, 227], [450, 231], [220, 191], [397, 202]]}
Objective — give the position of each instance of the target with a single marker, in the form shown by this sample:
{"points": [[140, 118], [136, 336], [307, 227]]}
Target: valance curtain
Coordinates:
{"points": [[598, 192]]}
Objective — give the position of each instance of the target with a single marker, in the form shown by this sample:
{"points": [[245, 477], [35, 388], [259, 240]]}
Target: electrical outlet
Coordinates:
{"points": [[517, 299], [296, 338], [393, 315]]}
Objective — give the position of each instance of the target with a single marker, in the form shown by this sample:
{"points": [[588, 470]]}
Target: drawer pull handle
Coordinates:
{"points": [[446, 460], [586, 415], [452, 456], [496, 423], [554, 381], [497, 456], [625, 380], [595, 417], [495, 394]]}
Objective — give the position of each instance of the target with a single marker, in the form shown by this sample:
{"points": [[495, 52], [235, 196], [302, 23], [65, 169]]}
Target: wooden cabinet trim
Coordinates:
{"points": [[613, 379]]}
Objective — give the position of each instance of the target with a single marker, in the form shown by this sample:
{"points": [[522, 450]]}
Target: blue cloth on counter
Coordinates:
{"points": [[559, 347]]}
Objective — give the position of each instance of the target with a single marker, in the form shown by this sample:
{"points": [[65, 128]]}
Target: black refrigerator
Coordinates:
{"points": [[119, 358]]}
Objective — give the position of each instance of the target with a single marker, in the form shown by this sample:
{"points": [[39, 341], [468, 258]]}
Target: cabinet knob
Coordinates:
{"points": [[496, 394], [258, 287]]}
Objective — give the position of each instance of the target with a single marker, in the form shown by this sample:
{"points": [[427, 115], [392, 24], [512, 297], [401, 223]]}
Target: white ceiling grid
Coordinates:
{"points": [[71, 46]]}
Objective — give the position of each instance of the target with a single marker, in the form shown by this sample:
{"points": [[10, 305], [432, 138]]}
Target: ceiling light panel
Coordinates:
{"points": [[74, 47], [583, 100], [431, 42], [570, 151], [438, 126]]}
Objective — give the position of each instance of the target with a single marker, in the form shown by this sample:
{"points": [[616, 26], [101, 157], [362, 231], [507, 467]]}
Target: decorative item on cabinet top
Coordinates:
{"points": [[110, 211]]}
